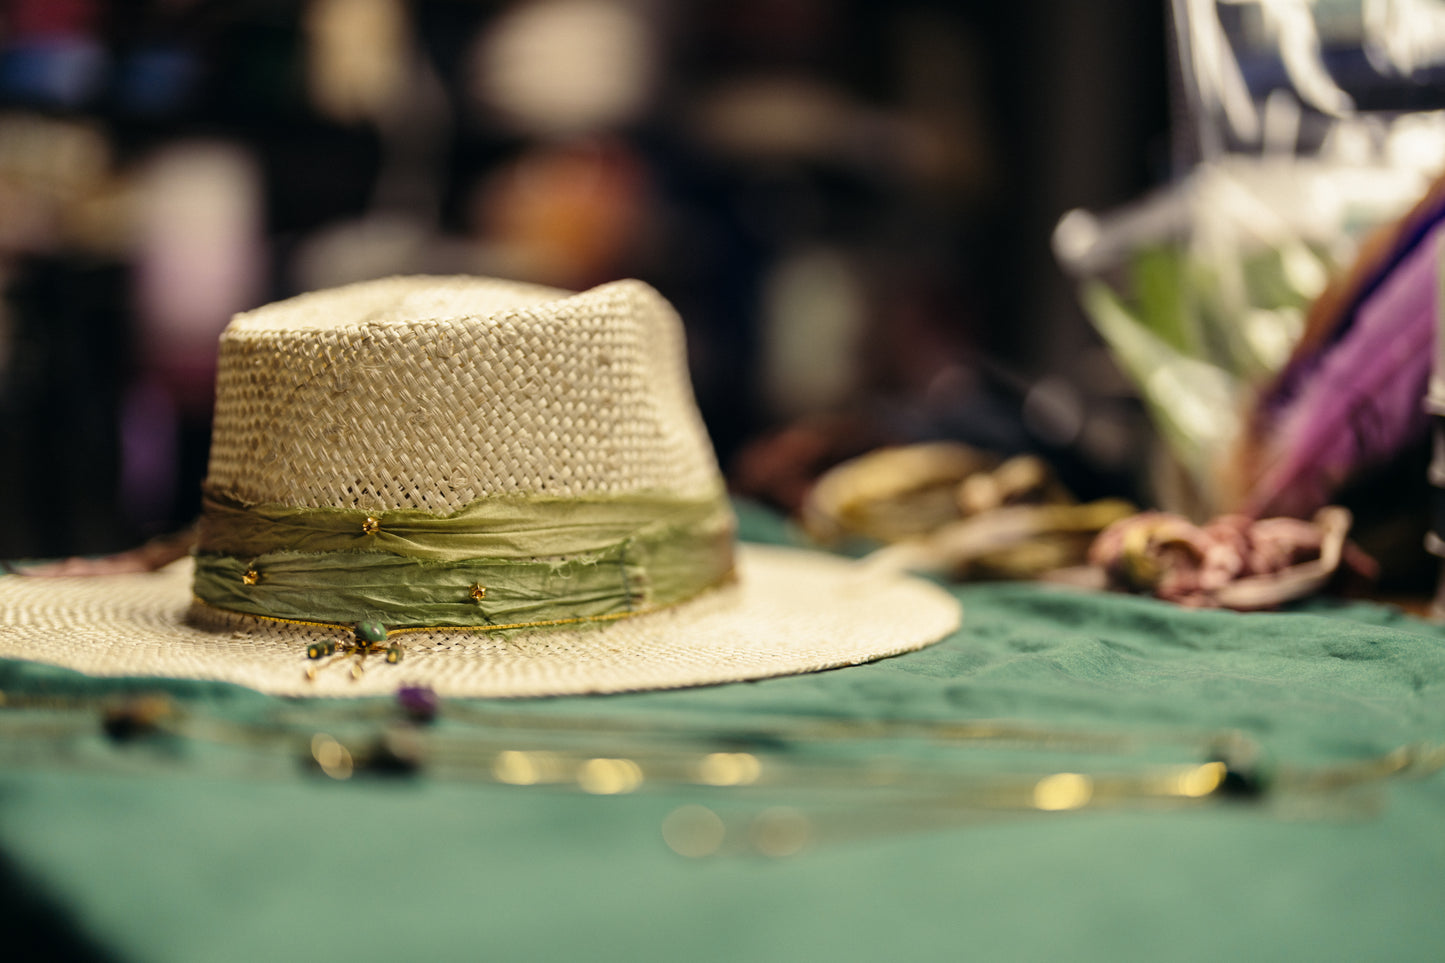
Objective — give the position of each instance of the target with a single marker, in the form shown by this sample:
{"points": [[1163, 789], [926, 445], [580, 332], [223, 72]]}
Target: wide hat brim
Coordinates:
{"points": [[791, 611]]}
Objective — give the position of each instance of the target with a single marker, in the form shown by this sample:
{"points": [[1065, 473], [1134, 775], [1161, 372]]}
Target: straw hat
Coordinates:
{"points": [[488, 488]]}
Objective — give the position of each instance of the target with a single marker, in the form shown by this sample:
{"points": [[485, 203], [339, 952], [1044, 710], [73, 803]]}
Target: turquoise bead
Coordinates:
{"points": [[370, 632]]}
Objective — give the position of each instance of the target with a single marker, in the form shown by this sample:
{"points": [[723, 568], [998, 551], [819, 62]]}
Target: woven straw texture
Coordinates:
{"points": [[792, 611], [429, 393]]}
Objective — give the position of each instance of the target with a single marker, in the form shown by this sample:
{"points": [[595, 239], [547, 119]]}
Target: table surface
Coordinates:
{"points": [[195, 849]]}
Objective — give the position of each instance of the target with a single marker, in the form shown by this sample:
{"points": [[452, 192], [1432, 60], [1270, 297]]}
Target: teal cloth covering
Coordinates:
{"points": [[190, 859]]}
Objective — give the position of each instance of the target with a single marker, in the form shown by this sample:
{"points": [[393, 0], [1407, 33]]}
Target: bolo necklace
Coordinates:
{"points": [[744, 769]]}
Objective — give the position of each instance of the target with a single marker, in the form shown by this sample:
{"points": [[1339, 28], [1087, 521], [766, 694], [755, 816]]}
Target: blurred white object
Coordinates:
{"points": [[558, 67], [1235, 56], [199, 238], [358, 52], [1403, 36], [814, 314]]}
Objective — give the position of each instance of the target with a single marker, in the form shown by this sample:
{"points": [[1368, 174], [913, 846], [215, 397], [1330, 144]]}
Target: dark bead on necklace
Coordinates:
{"points": [[1246, 775], [140, 716], [1243, 783], [388, 758], [418, 702]]}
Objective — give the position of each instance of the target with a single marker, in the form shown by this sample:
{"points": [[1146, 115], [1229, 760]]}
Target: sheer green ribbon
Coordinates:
{"points": [[502, 561]]}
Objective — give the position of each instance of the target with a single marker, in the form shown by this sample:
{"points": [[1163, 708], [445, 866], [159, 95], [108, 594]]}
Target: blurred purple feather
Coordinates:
{"points": [[1357, 401], [1332, 317]]}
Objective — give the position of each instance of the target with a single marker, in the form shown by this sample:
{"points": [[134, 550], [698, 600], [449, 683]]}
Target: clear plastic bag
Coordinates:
{"points": [[1307, 126]]}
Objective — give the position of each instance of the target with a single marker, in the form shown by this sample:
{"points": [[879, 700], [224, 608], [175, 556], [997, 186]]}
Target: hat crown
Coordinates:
{"points": [[430, 393]]}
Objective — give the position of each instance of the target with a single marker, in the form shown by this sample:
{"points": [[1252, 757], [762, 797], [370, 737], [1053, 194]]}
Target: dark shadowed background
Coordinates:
{"points": [[850, 204]]}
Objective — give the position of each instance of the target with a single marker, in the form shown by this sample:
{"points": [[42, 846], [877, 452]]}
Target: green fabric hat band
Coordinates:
{"points": [[501, 562]]}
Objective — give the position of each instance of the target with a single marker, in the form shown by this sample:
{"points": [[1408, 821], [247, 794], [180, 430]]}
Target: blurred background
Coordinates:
{"points": [[851, 203]]}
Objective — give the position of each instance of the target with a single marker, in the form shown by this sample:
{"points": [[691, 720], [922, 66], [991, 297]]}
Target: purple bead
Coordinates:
{"points": [[419, 702]]}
